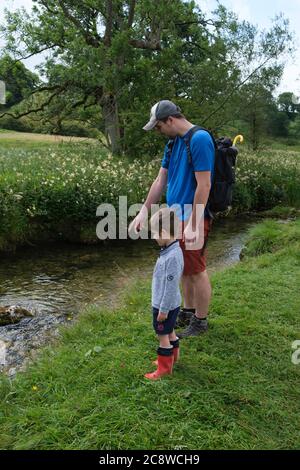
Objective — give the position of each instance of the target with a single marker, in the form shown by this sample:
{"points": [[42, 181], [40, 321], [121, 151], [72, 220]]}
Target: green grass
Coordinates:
{"points": [[283, 144], [234, 388], [270, 236], [24, 140]]}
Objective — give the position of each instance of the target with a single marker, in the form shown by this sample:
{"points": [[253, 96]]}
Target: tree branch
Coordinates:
{"points": [[41, 108], [235, 89], [197, 45], [52, 87], [131, 13], [141, 44], [202, 22], [90, 39], [33, 53], [108, 30], [45, 4]]}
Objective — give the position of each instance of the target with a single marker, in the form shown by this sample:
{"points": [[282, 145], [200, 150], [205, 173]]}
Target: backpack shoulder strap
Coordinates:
{"points": [[170, 146], [189, 136]]}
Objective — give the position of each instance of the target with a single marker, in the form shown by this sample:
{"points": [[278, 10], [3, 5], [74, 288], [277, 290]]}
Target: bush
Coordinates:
{"points": [[265, 179], [75, 129], [9, 123]]}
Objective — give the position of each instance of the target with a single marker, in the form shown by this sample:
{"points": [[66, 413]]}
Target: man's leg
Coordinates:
{"points": [[196, 286], [188, 292], [199, 285], [188, 309], [196, 290]]}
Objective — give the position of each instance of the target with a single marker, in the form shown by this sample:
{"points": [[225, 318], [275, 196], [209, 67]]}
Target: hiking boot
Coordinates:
{"points": [[196, 327], [184, 318]]}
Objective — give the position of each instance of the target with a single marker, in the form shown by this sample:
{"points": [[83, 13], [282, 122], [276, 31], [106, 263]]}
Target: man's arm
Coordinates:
{"points": [[157, 188], [154, 195]]}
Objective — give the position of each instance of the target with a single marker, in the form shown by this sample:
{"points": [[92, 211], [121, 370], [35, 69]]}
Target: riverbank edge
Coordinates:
{"points": [[41, 234], [86, 390]]}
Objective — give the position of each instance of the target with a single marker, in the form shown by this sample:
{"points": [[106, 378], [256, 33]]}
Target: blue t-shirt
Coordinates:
{"points": [[182, 182]]}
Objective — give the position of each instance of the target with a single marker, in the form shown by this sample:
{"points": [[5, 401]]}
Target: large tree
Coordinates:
{"points": [[94, 47], [121, 56]]}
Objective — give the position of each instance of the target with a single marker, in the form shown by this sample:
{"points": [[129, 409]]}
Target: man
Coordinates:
{"points": [[187, 183]]}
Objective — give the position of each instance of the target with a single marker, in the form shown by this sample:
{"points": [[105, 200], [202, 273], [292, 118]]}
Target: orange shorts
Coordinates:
{"points": [[195, 260]]}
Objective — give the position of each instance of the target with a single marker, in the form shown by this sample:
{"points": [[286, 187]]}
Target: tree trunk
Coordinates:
{"points": [[112, 125]]}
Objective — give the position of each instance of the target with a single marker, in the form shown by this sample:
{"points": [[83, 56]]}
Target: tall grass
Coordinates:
{"points": [[55, 190]]}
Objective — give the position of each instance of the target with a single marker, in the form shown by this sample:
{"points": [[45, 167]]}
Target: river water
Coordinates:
{"points": [[57, 282]]}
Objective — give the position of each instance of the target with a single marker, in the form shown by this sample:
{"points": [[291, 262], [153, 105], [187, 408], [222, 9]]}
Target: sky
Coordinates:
{"points": [[258, 12]]}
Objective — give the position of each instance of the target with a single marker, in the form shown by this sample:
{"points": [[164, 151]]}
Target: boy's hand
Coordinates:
{"points": [[162, 316]]}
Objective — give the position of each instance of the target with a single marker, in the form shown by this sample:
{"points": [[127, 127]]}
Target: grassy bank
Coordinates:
{"points": [[235, 388], [53, 191]]}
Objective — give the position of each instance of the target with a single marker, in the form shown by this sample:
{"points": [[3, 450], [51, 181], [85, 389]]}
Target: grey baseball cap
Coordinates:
{"points": [[161, 110]]}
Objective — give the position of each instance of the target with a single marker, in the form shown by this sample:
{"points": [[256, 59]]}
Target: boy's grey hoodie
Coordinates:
{"points": [[166, 278]]}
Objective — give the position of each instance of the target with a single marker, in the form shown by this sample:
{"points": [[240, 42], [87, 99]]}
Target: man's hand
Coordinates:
{"points": [[162, 316], [195, 241], [189, 234], [194, 237], [138, 221]]}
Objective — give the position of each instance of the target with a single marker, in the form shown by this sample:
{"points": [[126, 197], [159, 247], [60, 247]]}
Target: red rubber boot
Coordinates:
{"points": [[176, 353], [164, 366]]}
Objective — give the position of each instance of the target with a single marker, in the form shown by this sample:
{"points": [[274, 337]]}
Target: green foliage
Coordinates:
{"points": [[294, 129], [281, 212], [287, 103], [19, 81], [10, 123], [265, 179]]}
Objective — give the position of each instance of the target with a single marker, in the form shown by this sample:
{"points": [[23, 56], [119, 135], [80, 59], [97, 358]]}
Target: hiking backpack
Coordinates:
{"points": [[220, 196]]}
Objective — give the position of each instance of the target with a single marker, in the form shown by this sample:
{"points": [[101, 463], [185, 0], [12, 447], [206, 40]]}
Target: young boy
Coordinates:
{"points": [[166, 298]]}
